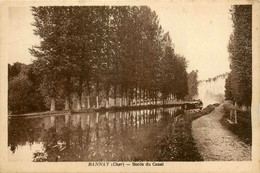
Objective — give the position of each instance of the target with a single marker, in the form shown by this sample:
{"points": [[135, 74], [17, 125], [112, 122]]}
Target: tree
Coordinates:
{"points": [[51, 62], [23, 94], [228, 89], [193, 83], [181, 81], [240, 54], [69, 50], [104, 51], [14, 70]]}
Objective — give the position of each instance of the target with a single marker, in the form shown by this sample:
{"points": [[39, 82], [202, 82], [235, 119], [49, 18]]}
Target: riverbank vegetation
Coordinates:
{"points": [[179, 145], [23, 89], [242, 129], [92, 57]]}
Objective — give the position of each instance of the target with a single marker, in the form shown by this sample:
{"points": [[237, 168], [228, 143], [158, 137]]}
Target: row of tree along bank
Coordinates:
{"points": [[239, 81], [99, 56], [24, 96]]}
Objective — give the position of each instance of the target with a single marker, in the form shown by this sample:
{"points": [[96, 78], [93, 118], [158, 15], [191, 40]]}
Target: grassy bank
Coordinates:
{"points": [[179, 144], [243, 129]]}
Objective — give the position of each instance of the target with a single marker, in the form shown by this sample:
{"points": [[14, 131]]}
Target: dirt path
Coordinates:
{"points": [[214, 142]]}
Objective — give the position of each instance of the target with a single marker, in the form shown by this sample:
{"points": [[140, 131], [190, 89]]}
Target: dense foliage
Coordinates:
{"points": [[239, 81], [23, 94], [243, 129], [92, 56], [179, 144], [193, 84]]}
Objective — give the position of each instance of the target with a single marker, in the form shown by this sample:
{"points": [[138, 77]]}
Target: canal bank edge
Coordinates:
{"points": [[101, 109]]}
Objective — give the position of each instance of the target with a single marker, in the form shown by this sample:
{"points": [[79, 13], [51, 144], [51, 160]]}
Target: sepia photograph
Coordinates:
{"points": [[129, 85]]}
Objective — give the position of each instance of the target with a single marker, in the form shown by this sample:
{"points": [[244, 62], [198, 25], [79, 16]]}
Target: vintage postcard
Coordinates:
{"points": [[130, 86]]}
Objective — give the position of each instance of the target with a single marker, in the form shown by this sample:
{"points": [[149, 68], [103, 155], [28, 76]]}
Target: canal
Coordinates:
{"points": [[108, 136]]}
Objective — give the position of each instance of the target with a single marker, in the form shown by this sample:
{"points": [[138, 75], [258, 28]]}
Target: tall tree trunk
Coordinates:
{"points": [[122, 97], [78, 102], [136, 96], [107, 97], [88, 95], [97, 101], [67, 103], [115, 93], [53, 107], [83, 100], [126, 97], [155, 97], [68, 92], [149, 97], [120, 102], [79, 95], [107, 102], [130, 103], [152, 98], [144, 99], [140, 97], [88, 101]]}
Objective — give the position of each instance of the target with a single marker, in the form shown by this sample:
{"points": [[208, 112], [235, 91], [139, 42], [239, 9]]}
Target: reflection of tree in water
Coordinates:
{"points": [[126, 143], [111, 136], [13, 136], [64, 144], [23, 130]]}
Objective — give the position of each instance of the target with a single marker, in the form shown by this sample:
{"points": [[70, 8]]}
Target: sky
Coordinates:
{"points": [[21, 36], [199, 33]]}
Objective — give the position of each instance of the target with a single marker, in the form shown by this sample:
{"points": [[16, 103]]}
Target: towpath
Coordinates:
{"points": [[214, 142]]}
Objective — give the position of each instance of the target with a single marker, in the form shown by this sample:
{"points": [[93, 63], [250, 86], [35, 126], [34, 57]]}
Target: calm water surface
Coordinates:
{"points": [[109, 136]]}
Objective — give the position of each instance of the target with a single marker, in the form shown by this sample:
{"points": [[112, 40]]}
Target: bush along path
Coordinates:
{"points": [[215, 142], [179, 145], [242, 129]]}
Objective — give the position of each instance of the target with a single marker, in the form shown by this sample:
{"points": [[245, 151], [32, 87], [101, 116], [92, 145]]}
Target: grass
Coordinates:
{"points": [[179, 144], [243, 129]]}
